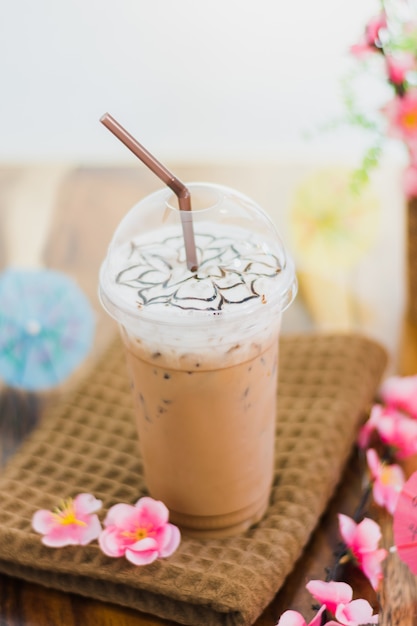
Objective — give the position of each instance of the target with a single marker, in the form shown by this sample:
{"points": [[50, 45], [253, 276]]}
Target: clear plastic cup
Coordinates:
{"points": [[202, 351]]}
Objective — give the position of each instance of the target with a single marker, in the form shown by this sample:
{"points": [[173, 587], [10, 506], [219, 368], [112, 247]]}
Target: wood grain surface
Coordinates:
{"points": [[87, 204]]}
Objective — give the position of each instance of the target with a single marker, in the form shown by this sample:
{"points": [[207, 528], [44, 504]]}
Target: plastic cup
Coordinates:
{"points": [[202, 351]]}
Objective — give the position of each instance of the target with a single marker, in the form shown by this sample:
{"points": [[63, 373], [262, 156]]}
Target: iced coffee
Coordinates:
{"points": [[202, 352]]}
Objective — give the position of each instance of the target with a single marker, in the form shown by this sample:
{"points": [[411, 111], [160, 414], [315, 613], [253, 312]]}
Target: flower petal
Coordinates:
{"points": [[401, 391], [141, 558], [60, 536], [374, 463], [294, 618], [110, 542], [316, 621], [91, 531], [85, 504], [168, 540], [356, 612], [371, 566], [347, 527], [42, 521], [330, 593], [121, 515], [368, 535], [152, 512], [291, 618], [149, 543]]}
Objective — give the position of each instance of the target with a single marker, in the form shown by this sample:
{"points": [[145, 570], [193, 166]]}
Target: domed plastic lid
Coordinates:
{"points": [[242, 263]]}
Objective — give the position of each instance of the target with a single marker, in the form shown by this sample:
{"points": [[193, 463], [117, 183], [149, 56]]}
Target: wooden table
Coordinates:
{"points": [[69, 214]]}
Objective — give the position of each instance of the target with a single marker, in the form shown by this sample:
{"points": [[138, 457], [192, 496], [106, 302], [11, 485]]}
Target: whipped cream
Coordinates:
{"points": [[227, 311], [235, 267]]}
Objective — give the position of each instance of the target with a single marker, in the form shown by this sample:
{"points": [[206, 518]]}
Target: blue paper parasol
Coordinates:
{"points": [[46, 328]]}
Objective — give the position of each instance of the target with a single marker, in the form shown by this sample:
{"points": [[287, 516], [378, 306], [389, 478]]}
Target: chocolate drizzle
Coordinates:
{"points": [[229, 272]]}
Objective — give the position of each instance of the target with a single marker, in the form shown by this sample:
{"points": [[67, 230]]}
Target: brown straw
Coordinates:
{"points": [[180, 190]]}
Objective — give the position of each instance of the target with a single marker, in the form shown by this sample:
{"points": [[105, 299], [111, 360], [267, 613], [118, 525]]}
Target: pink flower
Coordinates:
{"points": [[410, 181], [362, 49], [370, 42], [337, 599], [355, 613], [294, 618], [373, 27], [401, 113], [388, 481], [141, 532], [331, 594], [72, 523], [370, 426], [400, 392], [398, 431], [399, 66], [394, 429], [362, 541]]}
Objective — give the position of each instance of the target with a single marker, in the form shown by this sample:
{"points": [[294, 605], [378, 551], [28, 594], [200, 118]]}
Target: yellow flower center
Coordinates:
{"points": [[385, 476], [139, 533], [65, 514], [410, 120]]}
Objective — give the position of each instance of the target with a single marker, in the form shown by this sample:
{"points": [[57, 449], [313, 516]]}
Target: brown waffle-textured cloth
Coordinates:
{"points": [[88, 444]]}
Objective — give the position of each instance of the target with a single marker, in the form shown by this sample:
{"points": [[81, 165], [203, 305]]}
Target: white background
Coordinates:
{"points": [[194, 80], [190, 79]]}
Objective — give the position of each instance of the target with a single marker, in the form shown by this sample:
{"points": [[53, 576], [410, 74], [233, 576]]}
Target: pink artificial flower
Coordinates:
{"points": [[362, 541], [141, 532], [400, 392], [362, 49], [355, 613], [370, 426], [373, 27], [388, 481], [394, 428], [337, 599], [294, 618], [399, 66], [330, 594], [401, 113], [370, 42], [410, 181], [72, 523]]}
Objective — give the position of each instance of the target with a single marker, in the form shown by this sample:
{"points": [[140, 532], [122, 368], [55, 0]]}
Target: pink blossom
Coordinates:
{"points": [[388, 481], [141, 532], [294, 618], [331, 594], [370, 42], [362, 49], [394, 429], [398, 431], [401, 113], [410, 181], [400, 392], [362, 541], [399, 66], [373, 27], [72, 523], [355, 613], [336, 597], [370, 426]]}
